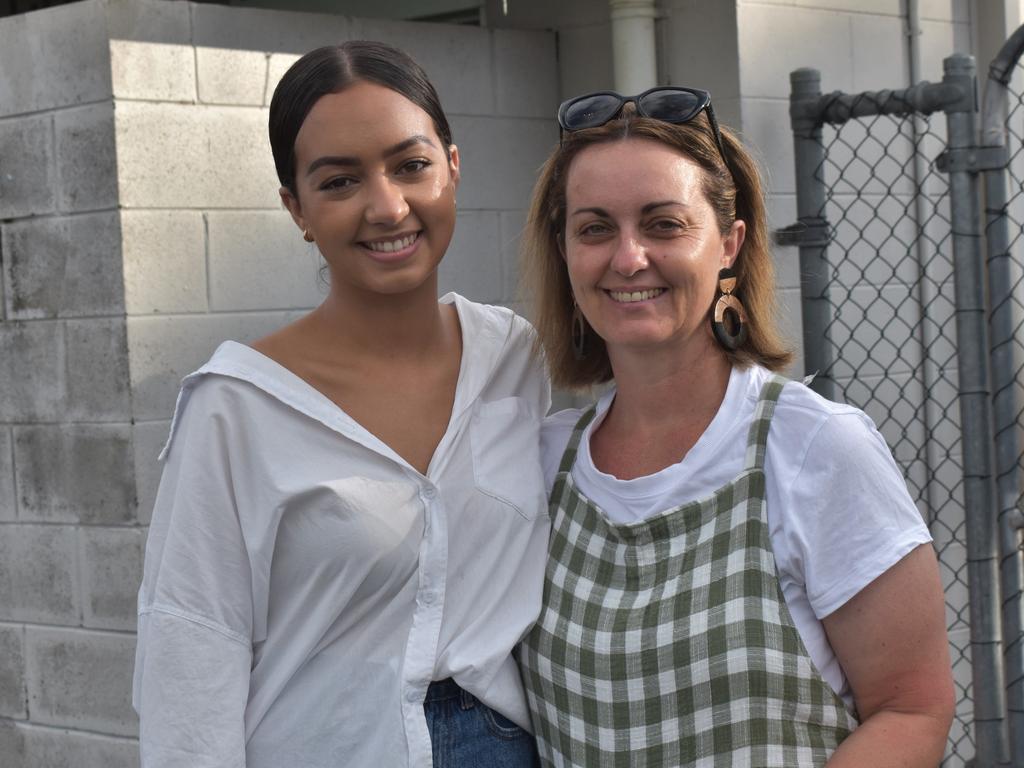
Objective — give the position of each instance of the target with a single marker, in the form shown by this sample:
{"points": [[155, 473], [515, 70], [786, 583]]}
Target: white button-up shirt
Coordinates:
{"points": [[304, 584]]}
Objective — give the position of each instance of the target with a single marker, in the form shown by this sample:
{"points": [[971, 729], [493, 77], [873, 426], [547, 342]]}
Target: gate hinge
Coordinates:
{"points": [[972, 159], [809, 230]]}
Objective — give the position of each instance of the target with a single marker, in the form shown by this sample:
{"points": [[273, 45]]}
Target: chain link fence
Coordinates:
{"points": [[893, 343], [890, 227]]}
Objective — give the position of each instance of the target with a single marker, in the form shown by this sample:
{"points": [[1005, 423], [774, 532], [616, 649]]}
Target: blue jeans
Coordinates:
{"points": [[466, 733]]}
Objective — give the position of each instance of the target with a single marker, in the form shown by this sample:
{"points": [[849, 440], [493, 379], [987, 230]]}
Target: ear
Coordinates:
{"points": [[291, 202], [733, 241], [453, 164]]}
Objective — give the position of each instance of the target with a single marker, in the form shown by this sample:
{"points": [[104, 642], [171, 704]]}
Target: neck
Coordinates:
{"points": [[408, 325], [658, 392]]}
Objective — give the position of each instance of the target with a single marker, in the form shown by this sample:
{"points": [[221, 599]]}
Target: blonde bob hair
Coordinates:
{"points": [[734, 193]]}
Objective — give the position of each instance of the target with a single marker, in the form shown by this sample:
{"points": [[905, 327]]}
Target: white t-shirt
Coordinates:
{"points": [[839, 514], [304, 584]]}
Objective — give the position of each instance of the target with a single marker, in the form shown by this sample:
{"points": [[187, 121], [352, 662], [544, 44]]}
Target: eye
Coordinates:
{"points": [[594, 229], [338, 184], [414, 166], [666, 226]]}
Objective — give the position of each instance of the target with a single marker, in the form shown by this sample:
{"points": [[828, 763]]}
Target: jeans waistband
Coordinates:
{"points": [[443, 690]]}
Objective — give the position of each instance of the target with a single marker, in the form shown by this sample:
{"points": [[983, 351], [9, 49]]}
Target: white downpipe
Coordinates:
{"points": [[634, 47]]}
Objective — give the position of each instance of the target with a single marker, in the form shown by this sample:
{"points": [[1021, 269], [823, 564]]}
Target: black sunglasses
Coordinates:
{"points": [[669, 104]]}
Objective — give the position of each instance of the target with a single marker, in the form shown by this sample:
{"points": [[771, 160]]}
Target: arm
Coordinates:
{"points": [[194, 649], [891, 641]]}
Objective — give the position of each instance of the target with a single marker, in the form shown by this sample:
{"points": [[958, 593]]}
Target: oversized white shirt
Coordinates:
{"points": [[304, 584], [839, 514]]}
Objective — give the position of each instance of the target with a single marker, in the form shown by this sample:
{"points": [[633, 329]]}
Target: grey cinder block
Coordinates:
{"points": [[12, 744], [194, 156], [524, 61], [81, 679], [27, 174], [75, 473], [55, 57], [31, 371], [86, 158], [164, 256], [504, 180], [8, 506], [257, 29], [13, 701], [97, 370], [165, 349], [258, 260], [38, 574], [63, 267], [457, 59], [59, 748], [112, 572], [227, 76], [472, 265]]}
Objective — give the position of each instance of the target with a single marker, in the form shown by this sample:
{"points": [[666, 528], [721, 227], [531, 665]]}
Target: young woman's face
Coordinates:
{"points": [[643, 246], [375, 189]]}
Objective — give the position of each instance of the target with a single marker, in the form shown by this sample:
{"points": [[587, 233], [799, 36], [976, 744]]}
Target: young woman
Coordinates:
{"points": [[737, 576], [350, 531]]}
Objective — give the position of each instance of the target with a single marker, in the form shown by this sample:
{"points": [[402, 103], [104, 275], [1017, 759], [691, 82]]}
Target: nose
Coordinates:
{"points": [[630, 255], [386, 203]]}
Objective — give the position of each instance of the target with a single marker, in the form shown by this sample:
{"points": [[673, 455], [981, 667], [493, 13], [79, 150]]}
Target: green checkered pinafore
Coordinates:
{"points": [[667, 642]]}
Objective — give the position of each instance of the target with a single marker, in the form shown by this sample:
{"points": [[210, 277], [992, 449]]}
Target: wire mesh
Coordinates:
{"points": [[893, 335]]}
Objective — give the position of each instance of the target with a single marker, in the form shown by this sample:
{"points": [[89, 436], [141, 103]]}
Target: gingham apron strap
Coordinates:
{"points": [[757, 437], [572, 447]]}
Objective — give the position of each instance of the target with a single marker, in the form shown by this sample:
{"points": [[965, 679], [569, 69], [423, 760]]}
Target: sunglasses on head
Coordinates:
{"points": [[669, 104]]}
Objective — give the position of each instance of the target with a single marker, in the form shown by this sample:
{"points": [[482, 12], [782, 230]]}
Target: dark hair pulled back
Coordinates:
{"points": [[332, 69]]}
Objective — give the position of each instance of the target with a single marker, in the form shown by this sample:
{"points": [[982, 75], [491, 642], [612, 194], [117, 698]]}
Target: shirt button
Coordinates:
{"points": [[429, 597], [429, 493], [412, 697]]}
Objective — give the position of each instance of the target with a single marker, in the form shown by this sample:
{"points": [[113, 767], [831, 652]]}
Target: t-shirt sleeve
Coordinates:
{"points": [[554, 435], [847, 516], [194, 650]]}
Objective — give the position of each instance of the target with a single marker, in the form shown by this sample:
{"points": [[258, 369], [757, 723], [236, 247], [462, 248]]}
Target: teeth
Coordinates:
{"points": [[390, 246], [629, 296]]}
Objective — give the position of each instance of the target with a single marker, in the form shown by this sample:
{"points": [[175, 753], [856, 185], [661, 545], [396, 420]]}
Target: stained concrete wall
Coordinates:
{"points": [[140, 226]]}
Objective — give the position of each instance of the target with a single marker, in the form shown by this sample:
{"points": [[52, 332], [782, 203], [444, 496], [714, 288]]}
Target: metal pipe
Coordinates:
{"points": [[927, 290], [1005, 388], [809, 153], [634, 45], [975, 420]]}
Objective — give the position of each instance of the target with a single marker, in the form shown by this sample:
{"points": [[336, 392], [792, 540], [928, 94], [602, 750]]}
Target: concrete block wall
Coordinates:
{"points": [[140, 226], [70, 543]]}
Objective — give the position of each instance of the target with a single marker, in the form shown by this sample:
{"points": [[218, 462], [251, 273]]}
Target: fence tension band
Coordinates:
{"points": [[972, 159], [809, 230]]}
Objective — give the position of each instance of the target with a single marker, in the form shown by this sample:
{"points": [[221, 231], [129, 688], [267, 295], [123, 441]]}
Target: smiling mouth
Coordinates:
{"points": [[390, 246], [628, 297]]}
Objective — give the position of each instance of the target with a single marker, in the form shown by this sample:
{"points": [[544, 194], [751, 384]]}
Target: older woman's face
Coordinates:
{"points": [[643, 247]]}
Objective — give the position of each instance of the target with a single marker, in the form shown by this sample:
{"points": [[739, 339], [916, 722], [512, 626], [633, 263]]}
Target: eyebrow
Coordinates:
{"points": [[646, 209], [349, 162]]}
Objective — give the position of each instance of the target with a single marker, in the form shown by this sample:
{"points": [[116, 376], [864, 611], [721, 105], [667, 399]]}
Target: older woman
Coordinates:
{"points": [[737, 574]]}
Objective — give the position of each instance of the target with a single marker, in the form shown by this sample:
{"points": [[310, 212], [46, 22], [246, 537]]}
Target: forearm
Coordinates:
{"points": [[891, 739]]}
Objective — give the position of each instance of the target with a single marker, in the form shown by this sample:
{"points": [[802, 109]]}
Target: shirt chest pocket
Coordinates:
{"points": [[505, 437]]}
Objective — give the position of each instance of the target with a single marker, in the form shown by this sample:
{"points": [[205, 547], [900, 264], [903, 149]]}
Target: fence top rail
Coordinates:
{"points": [[995, 105], [838, 107]]}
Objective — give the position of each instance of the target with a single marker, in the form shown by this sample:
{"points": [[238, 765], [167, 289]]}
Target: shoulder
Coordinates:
{"points": [[555, 432], [225, 394]]}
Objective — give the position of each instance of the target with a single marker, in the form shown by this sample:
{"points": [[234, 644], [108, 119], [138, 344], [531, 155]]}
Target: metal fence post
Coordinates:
{"points": [[975, 419], [1003, 323], [811, 233]]}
